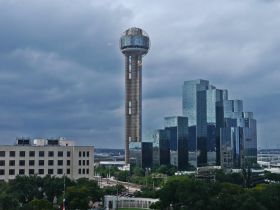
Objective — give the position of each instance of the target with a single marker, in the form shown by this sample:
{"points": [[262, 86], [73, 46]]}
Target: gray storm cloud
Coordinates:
{"points": [[61, 72]]}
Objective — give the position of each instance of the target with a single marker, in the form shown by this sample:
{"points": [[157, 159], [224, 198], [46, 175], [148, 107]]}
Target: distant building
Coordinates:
{"points": [[199, 105], [54, 157], [219, 132], [112, 202], [178, 140], [214, 131], [147, 154], [238, 135], [135, 151], [160, 146]]}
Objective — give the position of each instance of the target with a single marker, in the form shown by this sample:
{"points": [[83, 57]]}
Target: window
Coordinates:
{"points": [[87, 153], [60, 162], [12, 172], [59, 171], [2, 162], [2, 153], [60, 153], [41, 153], [87, 162], [68, 170], [21, 172], [87, 171], [22, 153], [68, 162], [80, 153], [31, 171], [68, 153], [50, 162], [50, 171], [79, 171], [31, 153], [84, 162], [129, 108], [2, 172], [21, 162], [11, 163], [41, 162], [84, 154], [31, 162], [80, 162], [41, 171], [50, 153], [84, 171], [12, 153]]}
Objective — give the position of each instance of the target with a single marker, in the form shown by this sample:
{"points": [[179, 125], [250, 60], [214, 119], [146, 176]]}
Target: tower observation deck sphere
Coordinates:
{"points": [[134, 41]]}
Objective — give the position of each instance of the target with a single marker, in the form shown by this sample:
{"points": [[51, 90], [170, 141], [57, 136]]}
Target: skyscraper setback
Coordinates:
{"points": [[220, 132], [134, 43]]}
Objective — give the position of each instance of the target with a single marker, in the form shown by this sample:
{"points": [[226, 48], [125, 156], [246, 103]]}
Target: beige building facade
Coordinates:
{"points": [[43, 157]]}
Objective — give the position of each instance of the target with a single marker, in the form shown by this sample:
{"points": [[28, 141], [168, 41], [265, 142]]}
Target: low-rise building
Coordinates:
{"points": [[112, 202], [55, 157]]}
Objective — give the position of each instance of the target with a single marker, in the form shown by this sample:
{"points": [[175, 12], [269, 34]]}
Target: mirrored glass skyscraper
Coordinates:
{"points": [[238, 135], [199, 105], [178, 140]]}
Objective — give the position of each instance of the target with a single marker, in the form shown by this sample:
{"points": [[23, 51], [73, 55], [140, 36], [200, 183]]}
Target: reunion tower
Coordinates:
{"points": [[134, 44]]}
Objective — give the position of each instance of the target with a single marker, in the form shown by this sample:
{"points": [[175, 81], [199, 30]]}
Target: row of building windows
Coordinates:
{"points": [[83, 171], [32, 153], [32, 162], [84, 162], [32, 171], [83, 154]]}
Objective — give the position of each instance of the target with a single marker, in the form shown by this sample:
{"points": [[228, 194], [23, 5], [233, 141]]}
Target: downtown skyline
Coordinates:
{"points": [[62, 73]]}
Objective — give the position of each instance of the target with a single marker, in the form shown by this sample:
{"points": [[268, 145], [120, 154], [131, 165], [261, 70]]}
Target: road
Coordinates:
{"points": [[104, 182]]}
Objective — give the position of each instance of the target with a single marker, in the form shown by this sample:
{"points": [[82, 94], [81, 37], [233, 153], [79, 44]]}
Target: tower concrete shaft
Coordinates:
{"points": [[133, 101], [134, 44]]}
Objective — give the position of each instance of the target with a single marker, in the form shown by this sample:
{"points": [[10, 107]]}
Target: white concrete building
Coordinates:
{"points": [[112, 202], [56, 157]]}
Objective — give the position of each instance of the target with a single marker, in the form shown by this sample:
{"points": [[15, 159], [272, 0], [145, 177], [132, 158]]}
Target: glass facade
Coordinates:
{"points": [[199, 105], [147, 154], [178, 129], [238, 136], [161, 147], [192, 154], [135, 153], [190, 89], [217, 124], [137, 41]]}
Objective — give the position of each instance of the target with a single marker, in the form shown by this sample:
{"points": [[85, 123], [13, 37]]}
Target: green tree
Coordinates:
{"points": [[137, 171], [8, 202], [114, 190], [78, 196], [37, 204], [26, 188]]}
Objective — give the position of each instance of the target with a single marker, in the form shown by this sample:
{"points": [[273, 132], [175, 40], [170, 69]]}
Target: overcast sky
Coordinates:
{"points": [[62, 74]]}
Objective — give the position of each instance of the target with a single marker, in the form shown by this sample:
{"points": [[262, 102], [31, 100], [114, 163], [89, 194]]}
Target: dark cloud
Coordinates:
{"points": [[61, 72]]}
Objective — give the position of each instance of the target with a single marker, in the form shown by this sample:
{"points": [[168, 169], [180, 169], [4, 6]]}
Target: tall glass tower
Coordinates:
{"points": [[134, 44]]}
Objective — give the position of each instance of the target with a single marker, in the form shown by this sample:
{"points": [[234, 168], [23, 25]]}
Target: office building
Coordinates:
{"points": [[161, 149], [41, 157], [238, 135], [134, 44], [220, 132], [178, 140], [135, 152], [199, 105], [147, 154]]}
